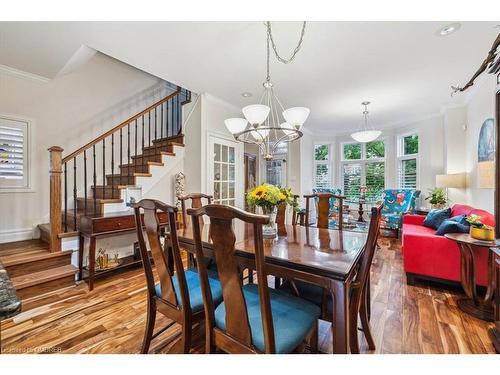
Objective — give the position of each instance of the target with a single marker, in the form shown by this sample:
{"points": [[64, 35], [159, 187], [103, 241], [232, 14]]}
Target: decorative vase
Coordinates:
{"points": [[483, 234], [269, 230]]}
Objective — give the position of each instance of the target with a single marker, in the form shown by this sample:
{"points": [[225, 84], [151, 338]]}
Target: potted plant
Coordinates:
{"points": [[478, 230], [267, 197], [437, 198]]}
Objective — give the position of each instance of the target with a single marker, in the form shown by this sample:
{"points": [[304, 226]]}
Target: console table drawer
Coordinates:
{"points": [[116, 224]]}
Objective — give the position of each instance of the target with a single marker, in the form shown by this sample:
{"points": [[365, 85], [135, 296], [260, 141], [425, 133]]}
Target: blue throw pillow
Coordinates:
{"points": [[450, 226], [435, 217]]}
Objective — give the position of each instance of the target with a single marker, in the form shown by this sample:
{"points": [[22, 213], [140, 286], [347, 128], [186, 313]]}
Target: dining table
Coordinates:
{"points": [[325, 257]]}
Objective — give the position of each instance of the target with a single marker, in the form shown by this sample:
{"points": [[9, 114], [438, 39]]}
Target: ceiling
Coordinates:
{"points": [[403, 68]]}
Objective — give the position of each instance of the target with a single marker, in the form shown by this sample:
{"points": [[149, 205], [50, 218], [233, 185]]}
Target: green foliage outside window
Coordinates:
{"points": [[352, 151], [375, 149], [321, 152], [410, 144]]}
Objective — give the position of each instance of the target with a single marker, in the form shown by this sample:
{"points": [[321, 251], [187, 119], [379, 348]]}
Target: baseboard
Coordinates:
{"points": [[13, 235]]}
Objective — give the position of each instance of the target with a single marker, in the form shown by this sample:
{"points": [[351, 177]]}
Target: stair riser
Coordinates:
{"points": [[123, 180], [155, 151], [179, 139], [143, 159], [109, 193], [130, 170], [46, 287], [90, 206], [39, 265]]}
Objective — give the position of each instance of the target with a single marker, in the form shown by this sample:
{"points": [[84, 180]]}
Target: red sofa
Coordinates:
{"points": [[428, 256]]}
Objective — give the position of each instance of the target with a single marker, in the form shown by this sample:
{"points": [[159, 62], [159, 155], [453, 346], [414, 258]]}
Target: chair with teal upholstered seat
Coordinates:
{"points": [[252, 318], [397, 202], [178, 294]]}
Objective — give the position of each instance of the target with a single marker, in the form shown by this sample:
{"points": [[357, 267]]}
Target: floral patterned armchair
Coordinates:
{"points": [[397, 202]]}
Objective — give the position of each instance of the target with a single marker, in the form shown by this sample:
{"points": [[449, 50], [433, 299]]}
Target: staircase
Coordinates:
{"points": [[92, 181]]}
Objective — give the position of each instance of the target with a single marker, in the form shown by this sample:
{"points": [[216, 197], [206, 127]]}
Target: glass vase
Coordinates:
{"points": [[269, 230]]}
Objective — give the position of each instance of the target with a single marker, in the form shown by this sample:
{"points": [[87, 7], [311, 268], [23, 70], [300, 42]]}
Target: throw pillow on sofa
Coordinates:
{"points": [[456, 224], [435, 217]]}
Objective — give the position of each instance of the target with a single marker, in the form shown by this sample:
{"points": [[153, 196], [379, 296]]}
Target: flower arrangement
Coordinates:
{"points": [[475, 221], [268, 196]]}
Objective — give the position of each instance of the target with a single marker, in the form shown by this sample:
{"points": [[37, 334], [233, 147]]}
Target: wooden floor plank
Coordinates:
{"points": [[111, 318]]}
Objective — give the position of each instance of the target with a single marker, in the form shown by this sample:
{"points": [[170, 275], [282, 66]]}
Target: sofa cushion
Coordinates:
{"points": [[435, 217], [452, 226]]}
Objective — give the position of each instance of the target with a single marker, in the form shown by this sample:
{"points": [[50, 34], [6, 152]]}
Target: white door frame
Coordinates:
{"points": [[239, 186]]}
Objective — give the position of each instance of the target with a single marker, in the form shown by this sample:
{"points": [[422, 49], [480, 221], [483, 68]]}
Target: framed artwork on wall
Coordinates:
{"points": [[486, 155]]}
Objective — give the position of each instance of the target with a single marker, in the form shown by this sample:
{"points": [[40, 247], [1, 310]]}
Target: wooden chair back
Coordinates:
{"points": [[323, 209], [196, 202], [237, 336], [363, 272], [166, 261]]}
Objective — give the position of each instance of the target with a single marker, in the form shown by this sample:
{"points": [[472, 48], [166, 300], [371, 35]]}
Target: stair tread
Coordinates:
{"points": [[135, 174], [140, 165], [35, 278], [102, 201], [12, 260], [118, 187]]}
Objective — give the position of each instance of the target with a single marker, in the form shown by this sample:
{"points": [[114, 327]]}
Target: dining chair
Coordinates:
{"points": [[359, 289], [196, 202], [329, 210], [252, 318], [178, 293]]}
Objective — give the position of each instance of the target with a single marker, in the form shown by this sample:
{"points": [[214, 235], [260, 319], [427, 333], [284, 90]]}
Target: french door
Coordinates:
{"points": [[225, 171]]}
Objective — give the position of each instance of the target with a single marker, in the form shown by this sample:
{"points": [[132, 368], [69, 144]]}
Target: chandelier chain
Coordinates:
{"points": [[273, 44]]}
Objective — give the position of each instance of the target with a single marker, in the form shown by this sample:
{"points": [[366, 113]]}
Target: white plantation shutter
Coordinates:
{"points": [[322, 176], [351, 175], [13, 153], [407, 173]]}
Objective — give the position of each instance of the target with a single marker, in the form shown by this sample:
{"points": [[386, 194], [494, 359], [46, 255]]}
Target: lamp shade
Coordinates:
{"points": [[256, 114], [235, 125], [366, 135], [452, 180], [285, 126], [296, 116], [260, 134]]}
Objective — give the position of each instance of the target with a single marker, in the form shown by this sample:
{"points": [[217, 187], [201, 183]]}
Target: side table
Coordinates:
{"points": [[473, 305]]}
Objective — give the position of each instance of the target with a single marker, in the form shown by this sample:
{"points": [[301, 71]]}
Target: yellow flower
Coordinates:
{"points": [[282, 197]]}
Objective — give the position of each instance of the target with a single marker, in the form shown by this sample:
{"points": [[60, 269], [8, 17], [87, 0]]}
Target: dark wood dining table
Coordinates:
{"points": [[322, 256]]}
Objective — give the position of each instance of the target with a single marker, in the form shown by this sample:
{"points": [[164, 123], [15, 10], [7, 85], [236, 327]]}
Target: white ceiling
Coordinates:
{"points": [[403, 68]]}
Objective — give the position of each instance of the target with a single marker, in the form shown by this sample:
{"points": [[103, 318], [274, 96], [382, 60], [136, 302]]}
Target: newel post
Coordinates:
{"points": [[55, 197]]}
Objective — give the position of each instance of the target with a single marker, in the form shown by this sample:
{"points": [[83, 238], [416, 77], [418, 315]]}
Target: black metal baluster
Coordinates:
{"points": [[74, 192], [149, 128], [113, 165], [104, 169], [172, 115], [178, 115], [167, 118], [161, 121], [85, 179], [143, 134], [135, 144], [121, 159], [95, 180], [66, 197], [128, 151]]}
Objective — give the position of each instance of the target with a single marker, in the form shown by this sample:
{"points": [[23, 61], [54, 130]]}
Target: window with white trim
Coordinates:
{"points": [[322, 166], [408, 150], [363, 164], [14, 153]]}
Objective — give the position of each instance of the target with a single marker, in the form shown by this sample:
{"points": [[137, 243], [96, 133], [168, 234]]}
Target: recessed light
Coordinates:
{"points": [[449, 29], [246, 94]]}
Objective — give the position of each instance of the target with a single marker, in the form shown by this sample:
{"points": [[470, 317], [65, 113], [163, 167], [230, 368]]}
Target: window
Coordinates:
{"points": [[322, 166], [363, 164], [14, 154], [408, 146]]}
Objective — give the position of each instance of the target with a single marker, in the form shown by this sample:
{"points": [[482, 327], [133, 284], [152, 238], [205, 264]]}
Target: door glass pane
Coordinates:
{"points": [[216, 152], [217, 190], [231, 202], [224, 190], [224, 172], [231, 190], [216, 171], [224, 153], [231, 155], [231, 173]]}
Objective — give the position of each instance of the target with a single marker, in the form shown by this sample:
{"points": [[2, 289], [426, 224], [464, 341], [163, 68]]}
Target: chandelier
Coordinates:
{"points": [[367, 133], [268, 124]]}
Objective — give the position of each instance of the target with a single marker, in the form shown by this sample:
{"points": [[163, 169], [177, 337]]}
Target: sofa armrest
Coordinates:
{"points": [[413, 219]]}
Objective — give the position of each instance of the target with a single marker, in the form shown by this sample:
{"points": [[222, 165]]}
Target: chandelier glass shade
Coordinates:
{"points": [[268, 124], [367, 133]]}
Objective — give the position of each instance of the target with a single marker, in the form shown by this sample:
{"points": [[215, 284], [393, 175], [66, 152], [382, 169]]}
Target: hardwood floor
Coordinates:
{"points": [[111, 318]]}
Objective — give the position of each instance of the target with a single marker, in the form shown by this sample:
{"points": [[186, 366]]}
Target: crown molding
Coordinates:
{"points": [[22, 74]]}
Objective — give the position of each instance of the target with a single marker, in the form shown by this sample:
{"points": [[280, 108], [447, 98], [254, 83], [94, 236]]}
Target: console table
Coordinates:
{"points": [[115, 223]]}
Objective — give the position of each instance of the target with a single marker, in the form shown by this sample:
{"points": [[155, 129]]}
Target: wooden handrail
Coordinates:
{"points": [[118, 127]]}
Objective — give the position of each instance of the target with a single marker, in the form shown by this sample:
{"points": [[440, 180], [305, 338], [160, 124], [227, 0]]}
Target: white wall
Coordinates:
{"points": [[480, 106], [67, 111]]}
